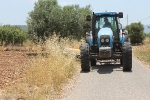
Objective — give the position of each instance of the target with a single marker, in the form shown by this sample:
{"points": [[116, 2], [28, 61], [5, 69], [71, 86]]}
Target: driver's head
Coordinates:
{"points": [[105, 19]]}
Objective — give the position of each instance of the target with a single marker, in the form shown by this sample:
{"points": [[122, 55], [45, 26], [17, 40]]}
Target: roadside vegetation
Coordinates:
{"points": [[142, 51], [48, 17], [48, 70], [140, 41], [12, 35], [136, 32], [51, 31]]}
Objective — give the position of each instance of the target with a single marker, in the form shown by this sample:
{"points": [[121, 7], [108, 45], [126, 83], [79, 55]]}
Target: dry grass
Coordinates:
{"points": [[48, 72], [142, 52], [1, 48], [74, 43]]}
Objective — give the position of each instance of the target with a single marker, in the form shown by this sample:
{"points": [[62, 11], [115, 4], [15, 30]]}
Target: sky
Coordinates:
{"points": [[15, 12]]}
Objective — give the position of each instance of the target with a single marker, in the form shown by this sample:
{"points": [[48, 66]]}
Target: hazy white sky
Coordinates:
{"points": [[15, 12]]}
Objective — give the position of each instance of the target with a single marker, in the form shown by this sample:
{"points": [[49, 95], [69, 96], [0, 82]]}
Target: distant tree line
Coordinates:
{"points": [[49, 17], [12, 35]]}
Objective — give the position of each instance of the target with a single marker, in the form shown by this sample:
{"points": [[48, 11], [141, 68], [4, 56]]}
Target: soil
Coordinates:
{"points": [[11, 64]]}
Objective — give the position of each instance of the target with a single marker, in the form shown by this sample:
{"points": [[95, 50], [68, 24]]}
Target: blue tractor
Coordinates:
{"points": [[107, 42]]}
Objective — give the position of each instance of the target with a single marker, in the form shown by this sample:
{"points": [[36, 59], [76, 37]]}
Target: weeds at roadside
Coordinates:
{"points": [[142, 52], [46, 75]]}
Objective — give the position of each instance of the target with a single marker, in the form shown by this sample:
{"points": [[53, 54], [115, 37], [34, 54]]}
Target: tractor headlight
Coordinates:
{"points": [[102, 40], [107, 40]]}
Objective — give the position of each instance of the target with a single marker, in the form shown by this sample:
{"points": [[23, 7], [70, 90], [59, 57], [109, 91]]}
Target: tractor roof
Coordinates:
{"points": [[105, 13]]}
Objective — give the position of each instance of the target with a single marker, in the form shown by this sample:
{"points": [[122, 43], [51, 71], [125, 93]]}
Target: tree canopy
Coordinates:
{"points": [[136, 32], [48, 17], [149, 27], [12, 35]]}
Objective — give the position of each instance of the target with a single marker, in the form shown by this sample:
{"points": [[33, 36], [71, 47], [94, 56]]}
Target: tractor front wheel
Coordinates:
{"points": [[127, 56], [85, 57]]}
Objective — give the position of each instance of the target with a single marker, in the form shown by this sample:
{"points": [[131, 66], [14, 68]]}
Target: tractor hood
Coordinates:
{"points": [[105, 33]]}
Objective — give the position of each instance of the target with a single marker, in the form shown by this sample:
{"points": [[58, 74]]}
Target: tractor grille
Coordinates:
{"points": [[105, 40]]}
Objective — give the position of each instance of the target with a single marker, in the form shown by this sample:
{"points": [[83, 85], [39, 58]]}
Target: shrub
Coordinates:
{"points": [[12, 35], [136, 32]]}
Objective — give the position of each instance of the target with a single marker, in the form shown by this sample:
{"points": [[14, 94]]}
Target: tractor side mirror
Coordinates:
{"points": [[120, 14], [125, 32], [119, 26], [88, 18], [86, 26]]}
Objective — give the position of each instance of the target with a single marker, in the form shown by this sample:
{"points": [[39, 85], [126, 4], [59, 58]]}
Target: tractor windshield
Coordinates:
{"points": [[106, 21]]}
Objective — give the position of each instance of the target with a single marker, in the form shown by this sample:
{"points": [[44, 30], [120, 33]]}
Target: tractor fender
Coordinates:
{"points": [[89, 38], [123, 36]]}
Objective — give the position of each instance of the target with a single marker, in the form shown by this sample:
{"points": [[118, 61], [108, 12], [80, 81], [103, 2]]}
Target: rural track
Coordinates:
{"points": [[109, 82]]}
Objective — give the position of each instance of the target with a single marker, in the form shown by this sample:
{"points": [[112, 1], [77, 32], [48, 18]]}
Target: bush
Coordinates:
{"points": [[12, 35], [136, 32]]}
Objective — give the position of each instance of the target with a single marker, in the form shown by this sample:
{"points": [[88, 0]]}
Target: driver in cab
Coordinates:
{"points": [[107, 23]]}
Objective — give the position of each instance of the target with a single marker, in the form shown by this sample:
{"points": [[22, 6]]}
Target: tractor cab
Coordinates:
{"points": [[106, 21], [106, 30]]}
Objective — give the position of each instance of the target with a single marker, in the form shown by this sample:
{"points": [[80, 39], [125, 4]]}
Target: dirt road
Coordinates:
{"points": [[109, 82]]}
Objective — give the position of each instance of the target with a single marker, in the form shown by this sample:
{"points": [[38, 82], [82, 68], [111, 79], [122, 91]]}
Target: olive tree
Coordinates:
{"points": [[136, 32], [48, 17]]}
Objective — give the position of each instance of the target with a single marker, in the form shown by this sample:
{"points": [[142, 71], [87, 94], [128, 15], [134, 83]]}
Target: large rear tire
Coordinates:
{"points": [[85, 57], [127, 57]]}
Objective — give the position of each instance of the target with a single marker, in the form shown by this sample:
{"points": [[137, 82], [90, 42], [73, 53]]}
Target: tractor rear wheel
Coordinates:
{"points": [[127, 57], [85, 57]]}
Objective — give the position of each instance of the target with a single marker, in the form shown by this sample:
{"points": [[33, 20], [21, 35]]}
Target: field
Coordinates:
{"points": [[11, 63], [37, 72]]}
